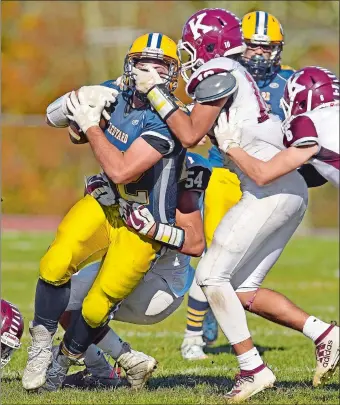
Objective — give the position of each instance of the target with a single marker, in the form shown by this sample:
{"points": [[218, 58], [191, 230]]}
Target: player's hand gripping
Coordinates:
{"points": [[228, 135], [93, 95], [100, 189], [145, 80], [136, 216], [85, 115]]}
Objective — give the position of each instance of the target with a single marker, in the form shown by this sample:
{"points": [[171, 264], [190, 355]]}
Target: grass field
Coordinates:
{"points": [[307, 272]]}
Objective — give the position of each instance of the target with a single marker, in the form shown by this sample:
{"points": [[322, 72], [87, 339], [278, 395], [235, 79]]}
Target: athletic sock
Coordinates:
{"points": [[195, 316], [314, 327], [250, 360], [50, 303], [112, 344]]}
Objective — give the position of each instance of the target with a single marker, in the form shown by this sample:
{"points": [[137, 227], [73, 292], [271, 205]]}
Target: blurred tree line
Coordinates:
{"points": [[49, 48]]}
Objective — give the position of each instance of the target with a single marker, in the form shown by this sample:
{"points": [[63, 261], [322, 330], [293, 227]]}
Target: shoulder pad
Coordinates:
{"points": [[113, 84], [286, 71], [300, 132], [215, 87]]}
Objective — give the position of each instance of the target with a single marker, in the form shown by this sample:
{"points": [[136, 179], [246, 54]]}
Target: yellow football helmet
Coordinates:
{"points": [[157, 46], [262, 29]]}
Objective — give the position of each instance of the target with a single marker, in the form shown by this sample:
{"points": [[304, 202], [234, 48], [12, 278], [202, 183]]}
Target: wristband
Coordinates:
{"points": [[162, 101], [172, 236]]}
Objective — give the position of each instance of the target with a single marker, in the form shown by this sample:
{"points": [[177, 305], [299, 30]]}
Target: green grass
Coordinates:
{"points": [[307, 273]]}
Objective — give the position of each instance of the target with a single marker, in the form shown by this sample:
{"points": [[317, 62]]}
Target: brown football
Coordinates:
{"points": [[75, 132]]}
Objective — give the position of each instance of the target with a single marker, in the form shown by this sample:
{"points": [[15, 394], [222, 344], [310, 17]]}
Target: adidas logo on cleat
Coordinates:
{"points": [[327, 354]]}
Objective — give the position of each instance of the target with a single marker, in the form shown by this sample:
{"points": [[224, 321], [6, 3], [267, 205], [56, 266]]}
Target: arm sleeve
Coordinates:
{"points": [[157, 134], [312, 177]]}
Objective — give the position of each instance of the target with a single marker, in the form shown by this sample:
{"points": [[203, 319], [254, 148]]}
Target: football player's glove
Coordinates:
{"points": [[94, 95], [227, 135], [136, 216], [99, 188], [139, 218]]}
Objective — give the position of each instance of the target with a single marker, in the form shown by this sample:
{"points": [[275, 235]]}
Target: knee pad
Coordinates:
{"points": [[55, 265], [159, 303], [96, 309]]}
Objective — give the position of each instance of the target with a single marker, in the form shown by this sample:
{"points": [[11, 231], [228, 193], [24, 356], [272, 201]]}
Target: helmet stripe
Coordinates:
{"points": [[149, 40], [266, 23], [261, 22], [154, 41], [257, 22], [159, 41]]}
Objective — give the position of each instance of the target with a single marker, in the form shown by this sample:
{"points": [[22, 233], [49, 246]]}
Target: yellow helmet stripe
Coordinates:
{"points": [[261, 23], [154, 40]]}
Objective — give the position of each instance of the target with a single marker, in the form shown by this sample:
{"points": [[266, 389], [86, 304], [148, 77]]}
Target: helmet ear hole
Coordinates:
{"points": [[210, 47], [302, 104]]}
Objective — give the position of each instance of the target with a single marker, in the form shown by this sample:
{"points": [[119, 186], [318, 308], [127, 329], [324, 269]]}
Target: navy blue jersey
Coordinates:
{"points": [[272, 91], [198, 172], [157, 188]]}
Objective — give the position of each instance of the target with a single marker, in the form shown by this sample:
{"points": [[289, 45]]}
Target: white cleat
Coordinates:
{"points": [[138, 367], [39, 357], [249, 383], [327, 355], [192, 348]]}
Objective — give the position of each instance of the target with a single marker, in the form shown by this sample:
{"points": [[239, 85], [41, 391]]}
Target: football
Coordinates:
{"points": [[78, 137]]}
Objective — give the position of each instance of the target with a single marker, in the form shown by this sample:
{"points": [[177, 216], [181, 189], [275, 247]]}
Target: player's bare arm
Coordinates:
{"points": [[265, 172], [122, 168]]}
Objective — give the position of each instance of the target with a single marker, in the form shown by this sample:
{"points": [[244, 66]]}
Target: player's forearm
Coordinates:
{"points": [[194, 242], [108, 156], [191, 129], [265, 172], [56, 113]]}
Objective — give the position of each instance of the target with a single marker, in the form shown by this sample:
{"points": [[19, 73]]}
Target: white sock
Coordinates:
{"points": [[191, 334], [249, 360], [313, 328], [228, 311], [111, 344]]}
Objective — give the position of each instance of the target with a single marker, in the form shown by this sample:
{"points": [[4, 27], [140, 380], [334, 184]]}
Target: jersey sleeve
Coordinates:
{"points": [[157, 134], [300, 132], [198, 173]]}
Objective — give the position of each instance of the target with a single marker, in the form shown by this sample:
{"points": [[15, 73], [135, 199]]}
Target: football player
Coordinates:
{"points": [[155, 298], [310, 130], [147, 172], [12, 328], [264, 38], [252, 235]]}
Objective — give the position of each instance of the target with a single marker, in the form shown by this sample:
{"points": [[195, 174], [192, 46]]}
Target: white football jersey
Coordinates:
{"points": [[262, 135], [318, 127]]}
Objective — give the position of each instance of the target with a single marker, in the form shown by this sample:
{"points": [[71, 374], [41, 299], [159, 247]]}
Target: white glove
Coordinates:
{"points": [[94, 95], [136, 216], [227, 135], [100, 189], [82, 113], [146, 80]]}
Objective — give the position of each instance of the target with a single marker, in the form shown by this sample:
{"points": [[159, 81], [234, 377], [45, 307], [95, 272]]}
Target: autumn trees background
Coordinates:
{"points": [[51, 47]]}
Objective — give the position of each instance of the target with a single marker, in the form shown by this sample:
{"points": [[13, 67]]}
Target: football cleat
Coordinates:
{"points": [[39, 357], [138, 367], [85, 379], [210, 328], [192, 348], [327, 355], [56, 374], [249, 383]]}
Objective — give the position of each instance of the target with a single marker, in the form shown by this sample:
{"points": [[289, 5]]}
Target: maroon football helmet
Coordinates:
{"points": [[308, 89], [12, 328], [210, 33]]}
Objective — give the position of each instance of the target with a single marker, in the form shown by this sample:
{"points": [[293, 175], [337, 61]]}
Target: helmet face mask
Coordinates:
{"points": [[146, 47]]}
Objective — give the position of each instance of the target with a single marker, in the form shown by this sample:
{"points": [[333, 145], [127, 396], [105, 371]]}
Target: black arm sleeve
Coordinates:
{"points": [[312, 177]]}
